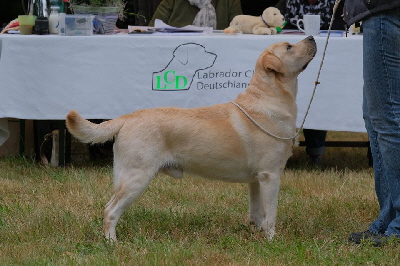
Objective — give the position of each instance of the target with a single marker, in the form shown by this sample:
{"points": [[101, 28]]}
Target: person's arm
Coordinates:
{"points": [[338, 23], [163, 11], [236, 9], [226, 10]]}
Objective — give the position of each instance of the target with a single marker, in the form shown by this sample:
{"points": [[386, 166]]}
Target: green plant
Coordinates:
{"points": [[122, 13], [99, 2], [120, 4]]}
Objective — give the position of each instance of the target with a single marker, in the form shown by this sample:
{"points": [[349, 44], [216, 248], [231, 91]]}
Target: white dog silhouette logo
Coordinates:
{"points": [[187, 60]]}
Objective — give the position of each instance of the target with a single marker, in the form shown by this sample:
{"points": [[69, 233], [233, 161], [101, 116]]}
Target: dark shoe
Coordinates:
{"points": [[383, 239], [377, 240], [357, 237], [316, 159]]}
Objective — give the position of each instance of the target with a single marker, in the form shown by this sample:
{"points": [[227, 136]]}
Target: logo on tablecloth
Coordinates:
{"points": [[187, 60]]}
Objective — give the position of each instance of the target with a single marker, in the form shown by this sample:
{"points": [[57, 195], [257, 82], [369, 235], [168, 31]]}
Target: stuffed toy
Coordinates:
{"points": [[270, 22]]}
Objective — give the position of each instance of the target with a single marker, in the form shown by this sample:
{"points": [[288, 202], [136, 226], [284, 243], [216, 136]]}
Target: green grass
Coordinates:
{"points": [[53, 216]]}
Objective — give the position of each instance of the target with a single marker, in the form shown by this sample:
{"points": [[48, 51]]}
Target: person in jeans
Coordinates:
{"points": [[381, 109]]}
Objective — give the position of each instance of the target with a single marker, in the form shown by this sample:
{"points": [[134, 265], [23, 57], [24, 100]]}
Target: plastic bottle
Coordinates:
{"points": [[54, 20]]}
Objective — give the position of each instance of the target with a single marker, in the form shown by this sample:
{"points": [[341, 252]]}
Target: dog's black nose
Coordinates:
{"points": [[310, 38]]}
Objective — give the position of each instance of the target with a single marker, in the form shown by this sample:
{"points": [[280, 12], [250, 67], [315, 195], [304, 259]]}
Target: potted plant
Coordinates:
{"points": [[106, 12], [118, 5]]}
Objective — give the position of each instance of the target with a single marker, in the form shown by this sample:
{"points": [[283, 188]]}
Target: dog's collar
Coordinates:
{"points": [[264, 21], [293, 138], [278, 29]]}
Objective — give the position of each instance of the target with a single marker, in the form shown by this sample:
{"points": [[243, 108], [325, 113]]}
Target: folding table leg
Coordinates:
{"points": [[68, 138], [61, 143], [22, 137], [64, 144]]}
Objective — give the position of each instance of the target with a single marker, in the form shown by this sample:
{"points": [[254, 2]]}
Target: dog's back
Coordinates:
{"points": [[245, 23]]}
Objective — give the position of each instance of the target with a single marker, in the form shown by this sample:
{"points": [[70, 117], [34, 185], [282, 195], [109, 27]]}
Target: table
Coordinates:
{"points": [[105, 76]]}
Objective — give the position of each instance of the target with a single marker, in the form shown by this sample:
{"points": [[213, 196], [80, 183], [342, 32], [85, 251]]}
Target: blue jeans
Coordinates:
{"points": [[381, 107]]}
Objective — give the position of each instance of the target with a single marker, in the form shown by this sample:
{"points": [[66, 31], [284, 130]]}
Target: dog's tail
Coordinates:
{"points": [[89, 132]]}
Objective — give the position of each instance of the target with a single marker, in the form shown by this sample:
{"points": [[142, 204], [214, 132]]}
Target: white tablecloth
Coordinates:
{"points": [[103, 77]]}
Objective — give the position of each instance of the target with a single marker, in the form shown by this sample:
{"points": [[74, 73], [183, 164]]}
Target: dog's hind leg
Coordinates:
{"points": [[269, 190], [130, 186]]}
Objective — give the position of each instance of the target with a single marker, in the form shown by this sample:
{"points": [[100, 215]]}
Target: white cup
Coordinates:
{"points": [[311, 24]]}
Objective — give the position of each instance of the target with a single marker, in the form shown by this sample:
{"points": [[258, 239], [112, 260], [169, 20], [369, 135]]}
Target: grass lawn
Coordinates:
{"points": [[53, 216]]}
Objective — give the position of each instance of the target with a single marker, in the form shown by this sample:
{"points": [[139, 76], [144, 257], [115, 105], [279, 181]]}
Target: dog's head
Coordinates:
{"points": [[273, 17], [287, 60]]}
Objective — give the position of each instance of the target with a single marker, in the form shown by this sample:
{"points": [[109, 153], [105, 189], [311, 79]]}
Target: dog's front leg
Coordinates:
{"points": [[261, 30], [255, 204], [269, 190]]}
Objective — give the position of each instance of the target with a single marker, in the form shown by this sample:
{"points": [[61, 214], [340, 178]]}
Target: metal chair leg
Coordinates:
{"points": [[22, 137]]}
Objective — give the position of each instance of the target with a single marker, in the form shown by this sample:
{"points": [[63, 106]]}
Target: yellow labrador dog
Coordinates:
{"points": [[216, 142]]}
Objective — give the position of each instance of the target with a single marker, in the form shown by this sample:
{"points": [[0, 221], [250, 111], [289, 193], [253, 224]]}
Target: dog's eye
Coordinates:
{"points": [[288, 47]]}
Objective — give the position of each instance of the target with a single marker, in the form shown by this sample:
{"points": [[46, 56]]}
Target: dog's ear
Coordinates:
{"points": [[182, 54], [271, 62]]}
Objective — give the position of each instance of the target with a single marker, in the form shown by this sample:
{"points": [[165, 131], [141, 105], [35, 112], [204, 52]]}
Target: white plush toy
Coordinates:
{"points": [[270, 22]]}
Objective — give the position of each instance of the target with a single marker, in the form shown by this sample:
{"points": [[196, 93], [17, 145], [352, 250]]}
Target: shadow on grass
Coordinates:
{"points": [[165, 223], [337, 158]]}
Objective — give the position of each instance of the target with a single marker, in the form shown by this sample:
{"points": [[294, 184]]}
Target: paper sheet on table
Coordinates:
{"points": [[160, 26]]}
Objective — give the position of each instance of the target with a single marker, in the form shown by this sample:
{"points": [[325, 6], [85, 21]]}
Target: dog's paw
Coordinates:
{"points": [[269, 229], [256, 223], [230, 31], [273, 31], [269, 235], [262, 31]]}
